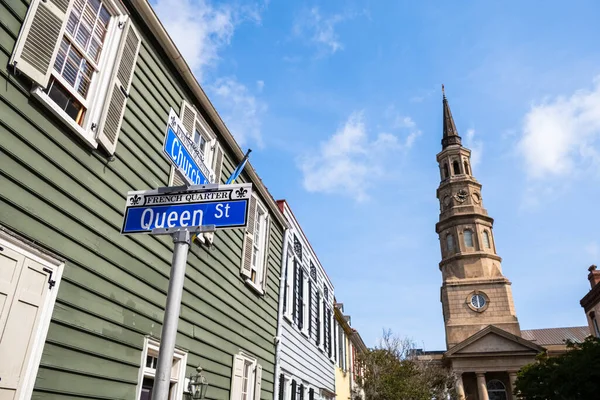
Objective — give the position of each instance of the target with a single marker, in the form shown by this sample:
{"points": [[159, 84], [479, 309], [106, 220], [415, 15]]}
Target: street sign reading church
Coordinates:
{"points": [[224, 206], [183, 153]]}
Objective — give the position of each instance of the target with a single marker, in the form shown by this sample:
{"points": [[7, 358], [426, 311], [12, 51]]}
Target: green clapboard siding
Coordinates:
{"points": [[69, 198]]}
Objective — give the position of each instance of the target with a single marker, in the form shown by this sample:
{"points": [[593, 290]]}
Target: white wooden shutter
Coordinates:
{"points": [[266, 259], [217, 165], [246, 267], [24, 285], [258, 384], [187, 115], [118, 90], [39, 40], [237, 377]]}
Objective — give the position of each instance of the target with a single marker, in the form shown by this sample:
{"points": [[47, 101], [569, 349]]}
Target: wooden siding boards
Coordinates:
{"points": [[56, 191], [300, 358]]}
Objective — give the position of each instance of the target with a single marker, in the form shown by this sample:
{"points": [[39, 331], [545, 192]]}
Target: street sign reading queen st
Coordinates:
{"points": [[183, 153], [224, 206]]}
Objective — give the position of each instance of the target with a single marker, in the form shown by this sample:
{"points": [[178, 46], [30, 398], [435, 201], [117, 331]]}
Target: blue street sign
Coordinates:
{"points": [[224, 206], [182, 152]]}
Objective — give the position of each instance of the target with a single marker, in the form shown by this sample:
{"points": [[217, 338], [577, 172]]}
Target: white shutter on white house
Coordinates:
{"points": [[248, 245], [237, 377], [258, 382], [118, 90], [266, 261], [40, 37]]}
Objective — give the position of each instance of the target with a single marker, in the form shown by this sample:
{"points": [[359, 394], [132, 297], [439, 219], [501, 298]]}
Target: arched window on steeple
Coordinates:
{"points": [[466, 168], [455, 167], [468, 234], [446, 171], [450, 243], [486, 239]]}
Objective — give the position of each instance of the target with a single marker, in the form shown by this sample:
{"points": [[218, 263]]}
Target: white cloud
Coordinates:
{"points": [[350, 162], [260, 85], [240, 110], [476, 147], [320, 30], [200, 29], [562, 133]]}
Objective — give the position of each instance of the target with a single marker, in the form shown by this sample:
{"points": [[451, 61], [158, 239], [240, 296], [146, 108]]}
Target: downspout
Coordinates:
{"points": [[280, 313]]}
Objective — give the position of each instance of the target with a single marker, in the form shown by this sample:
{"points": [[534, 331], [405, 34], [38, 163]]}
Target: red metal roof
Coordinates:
{"points": [[549, 336]]}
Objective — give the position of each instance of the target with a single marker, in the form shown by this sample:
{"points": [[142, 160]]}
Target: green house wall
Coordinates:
{"points": [[68, 198]]}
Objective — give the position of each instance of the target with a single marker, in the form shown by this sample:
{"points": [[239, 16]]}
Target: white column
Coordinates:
{"points": [[460, 388], [481, 386], [512, 376]]}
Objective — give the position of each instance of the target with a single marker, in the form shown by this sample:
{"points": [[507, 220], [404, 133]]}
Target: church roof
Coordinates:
{"points": [[549, 336], [450, 135], [509, 344]]}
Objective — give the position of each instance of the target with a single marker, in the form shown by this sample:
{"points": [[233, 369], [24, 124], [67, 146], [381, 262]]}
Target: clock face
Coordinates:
{"points": [[461, 195], [447, 201], [478, 301], [476, 198]]}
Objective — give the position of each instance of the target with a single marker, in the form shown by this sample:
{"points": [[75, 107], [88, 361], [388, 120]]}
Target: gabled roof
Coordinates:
{"points": [[509, 344], [550, 336]]}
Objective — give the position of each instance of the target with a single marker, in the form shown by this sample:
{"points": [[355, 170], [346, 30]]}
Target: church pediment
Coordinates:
{"points": [[493, 340]]}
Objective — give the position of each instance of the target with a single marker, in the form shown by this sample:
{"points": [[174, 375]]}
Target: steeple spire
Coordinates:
{"points": [[450, 133]]}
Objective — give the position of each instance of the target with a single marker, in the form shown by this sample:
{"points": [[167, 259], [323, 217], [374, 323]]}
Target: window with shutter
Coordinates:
{"points": [[282, 387], [293, 391], [203, 142], [301, 298], [311, 394], [285, 284], [81, 55], [310, 306], [246, 378], [256, 246], [318, 319], [148, 373], [329, 332], [301, 392], [295, 298]]}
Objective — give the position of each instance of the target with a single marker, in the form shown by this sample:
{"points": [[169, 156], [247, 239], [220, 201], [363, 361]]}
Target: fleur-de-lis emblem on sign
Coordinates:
{"points": [[135, 200], [241, 192]]}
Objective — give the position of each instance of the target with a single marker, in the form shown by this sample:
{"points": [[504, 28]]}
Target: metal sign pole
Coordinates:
{"points": [[162, 380]]}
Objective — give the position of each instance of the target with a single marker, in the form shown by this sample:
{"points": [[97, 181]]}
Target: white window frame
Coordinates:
{"points": [[25, 389], [289, 301], [151, 346], [100, 85], [259, 269], [305, 301], [253, 361]]}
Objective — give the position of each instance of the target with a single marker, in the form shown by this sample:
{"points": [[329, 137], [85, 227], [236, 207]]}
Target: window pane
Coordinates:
{"points": [[468, 238], [486, 239], [449, 243], [63, 98]]}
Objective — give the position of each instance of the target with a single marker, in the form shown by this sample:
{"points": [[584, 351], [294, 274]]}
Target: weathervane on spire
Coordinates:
{"points": [[443, 92]]}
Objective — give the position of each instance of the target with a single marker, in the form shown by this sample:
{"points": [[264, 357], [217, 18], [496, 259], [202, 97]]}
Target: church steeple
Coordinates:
{"points": [[450, 136], [474, 292]]}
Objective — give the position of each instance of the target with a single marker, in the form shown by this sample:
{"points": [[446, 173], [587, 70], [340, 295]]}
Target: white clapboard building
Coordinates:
{"points": [[305, 365]]}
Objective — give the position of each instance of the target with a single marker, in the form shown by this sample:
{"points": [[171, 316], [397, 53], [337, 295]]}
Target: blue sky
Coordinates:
{"points": [[340, 102]]}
